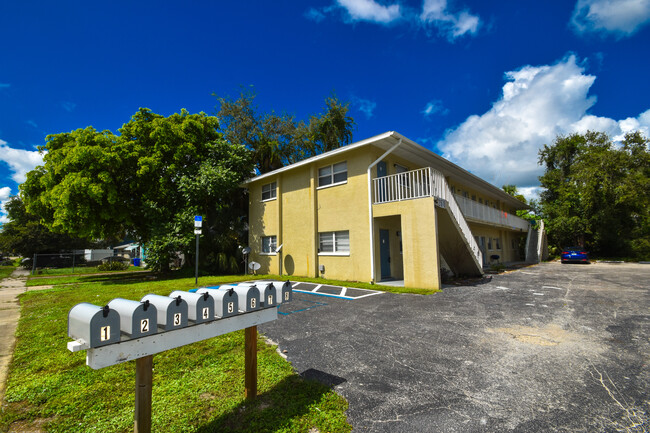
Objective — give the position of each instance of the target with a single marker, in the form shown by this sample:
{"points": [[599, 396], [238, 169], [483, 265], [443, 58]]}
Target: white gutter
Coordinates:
{"points": [[371, 219]]}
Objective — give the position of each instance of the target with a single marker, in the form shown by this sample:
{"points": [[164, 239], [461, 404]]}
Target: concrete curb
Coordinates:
{"points": [[10, 288]]}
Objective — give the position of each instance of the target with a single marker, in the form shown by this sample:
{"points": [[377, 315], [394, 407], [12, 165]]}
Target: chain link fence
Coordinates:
{"points": [[70, 262]]}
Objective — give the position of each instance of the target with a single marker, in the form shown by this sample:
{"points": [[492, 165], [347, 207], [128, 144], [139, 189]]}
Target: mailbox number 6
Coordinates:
{"points": [[177, 319], [206, 313], [144, 325], [231, 307], [105, 333], [253, 303]]}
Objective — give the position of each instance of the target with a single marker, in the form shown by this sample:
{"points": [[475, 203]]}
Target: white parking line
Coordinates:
{"points": [[551, 287], [315, 289]]}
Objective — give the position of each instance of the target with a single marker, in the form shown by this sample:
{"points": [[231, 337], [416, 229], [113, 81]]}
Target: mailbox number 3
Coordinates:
{"points": [[177, 319], [105, 333], [144, 325]]}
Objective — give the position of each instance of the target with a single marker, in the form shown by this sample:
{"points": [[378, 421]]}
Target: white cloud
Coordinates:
{"points": [[618, 17], [433, 107], [5, 192], [537, 104], [436, 13], [315, 15], [19, 161], [366, 106], [370, 10]]}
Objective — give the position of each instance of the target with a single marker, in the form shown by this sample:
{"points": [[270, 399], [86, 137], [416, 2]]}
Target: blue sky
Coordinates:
{"points": [[485, 84]]}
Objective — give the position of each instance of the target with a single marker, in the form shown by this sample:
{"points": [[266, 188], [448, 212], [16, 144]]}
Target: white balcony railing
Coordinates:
{"points": [[482, 213], [424, 182]]}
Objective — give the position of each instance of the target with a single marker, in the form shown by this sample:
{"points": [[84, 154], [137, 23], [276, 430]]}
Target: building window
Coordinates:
{"points": [[514, 244], [403, 179], [480, 200], [334, 242], [269, 244], [333, 174], [497, 243], [269, 191], [489, 243]]}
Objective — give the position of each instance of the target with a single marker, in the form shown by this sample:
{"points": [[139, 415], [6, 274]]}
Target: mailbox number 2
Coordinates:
{"points": [[105, 333], [144, 325], [177, 319], [206, 313]]}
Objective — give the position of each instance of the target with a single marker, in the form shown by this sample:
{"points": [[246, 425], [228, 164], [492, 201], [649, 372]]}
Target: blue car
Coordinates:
{"points": [[574, 254]]}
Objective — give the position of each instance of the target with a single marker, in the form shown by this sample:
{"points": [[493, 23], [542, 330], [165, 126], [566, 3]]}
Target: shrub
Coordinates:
{"points": [[113, 266]]}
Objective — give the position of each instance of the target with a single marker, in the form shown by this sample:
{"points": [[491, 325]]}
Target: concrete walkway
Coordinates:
{"points": [[10, 288]]}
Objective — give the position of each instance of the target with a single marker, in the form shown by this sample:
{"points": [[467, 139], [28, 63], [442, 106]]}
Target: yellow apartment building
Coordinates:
{"points": [[382, 209]]}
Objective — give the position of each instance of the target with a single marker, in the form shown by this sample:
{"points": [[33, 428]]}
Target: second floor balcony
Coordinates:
{"points": [[427, 182]]}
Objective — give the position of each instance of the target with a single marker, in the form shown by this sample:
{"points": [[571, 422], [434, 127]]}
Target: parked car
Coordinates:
{"points": [[574, 254]]}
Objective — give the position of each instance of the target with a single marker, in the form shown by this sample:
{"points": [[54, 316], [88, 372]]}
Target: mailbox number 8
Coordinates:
{"points": [[177, 319], [231, 307], [105, 333], [144, 325], [206, 313], [253, 303]]}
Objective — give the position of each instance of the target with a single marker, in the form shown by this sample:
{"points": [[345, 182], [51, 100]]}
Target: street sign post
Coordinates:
{"points": [[198, 223]]}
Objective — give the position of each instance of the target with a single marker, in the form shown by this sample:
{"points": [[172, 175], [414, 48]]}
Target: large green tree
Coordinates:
{"points": [[597, 194], [279, 139], [24, 235], [147, 182]]}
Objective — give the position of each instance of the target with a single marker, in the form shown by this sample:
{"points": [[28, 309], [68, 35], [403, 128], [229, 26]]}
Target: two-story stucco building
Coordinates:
{"points": [[380, 209]]}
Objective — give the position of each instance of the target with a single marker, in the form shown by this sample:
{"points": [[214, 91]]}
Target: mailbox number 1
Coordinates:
{"points": [[105, 333], [253, 303], [206, 313], [144, 325], [231, 307], [177, 319]]}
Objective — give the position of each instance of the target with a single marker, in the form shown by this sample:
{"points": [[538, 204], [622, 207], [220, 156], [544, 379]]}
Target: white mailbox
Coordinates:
{"points": [[226, 302], [137, 319], [96, 326], [284, 291], [172, 312], [200, 305], [248, 294], [269, 297]]}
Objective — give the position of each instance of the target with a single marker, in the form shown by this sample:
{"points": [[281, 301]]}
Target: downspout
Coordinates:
{"points": [[371, 219]]}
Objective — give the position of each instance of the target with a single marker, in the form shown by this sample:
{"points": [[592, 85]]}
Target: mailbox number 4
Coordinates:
{"points": [[177, 319], [105, 333], [206, 313]]}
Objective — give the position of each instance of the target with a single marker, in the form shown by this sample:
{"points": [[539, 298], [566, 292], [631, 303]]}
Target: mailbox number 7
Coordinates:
{"points": [[105, 333], [144, 325], [177, 319]]}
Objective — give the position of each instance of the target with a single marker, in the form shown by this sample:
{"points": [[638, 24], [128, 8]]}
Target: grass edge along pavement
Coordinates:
{"points": [[196, 388]]}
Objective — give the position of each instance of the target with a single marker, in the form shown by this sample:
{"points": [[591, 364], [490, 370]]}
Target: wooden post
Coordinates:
{"points": [[143, 382], [250, 363]]}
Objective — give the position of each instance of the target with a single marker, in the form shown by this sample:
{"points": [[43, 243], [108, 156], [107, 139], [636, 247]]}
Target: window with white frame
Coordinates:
{"points": [[269, 244], [333, 174], [334, 242], [403, 178], [269, 191]]}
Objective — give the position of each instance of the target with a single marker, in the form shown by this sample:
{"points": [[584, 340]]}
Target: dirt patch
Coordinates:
{"points": [[29, 289], [38, 425], [550, 335]]}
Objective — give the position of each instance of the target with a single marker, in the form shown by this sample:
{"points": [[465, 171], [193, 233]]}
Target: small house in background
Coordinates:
{"points": [[382, 209], [94, 255], [132, 251]]}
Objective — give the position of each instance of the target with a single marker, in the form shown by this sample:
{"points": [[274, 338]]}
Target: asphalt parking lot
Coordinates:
{"points": [[548, 348]]}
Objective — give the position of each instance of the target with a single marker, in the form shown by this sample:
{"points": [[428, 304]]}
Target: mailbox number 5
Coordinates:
{"points": [[177, 319], [105, 333], [144, 325], [231, 307]]}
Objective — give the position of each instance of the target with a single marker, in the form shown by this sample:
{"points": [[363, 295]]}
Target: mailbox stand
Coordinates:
{"points": [[143, 386], [250, 363]]}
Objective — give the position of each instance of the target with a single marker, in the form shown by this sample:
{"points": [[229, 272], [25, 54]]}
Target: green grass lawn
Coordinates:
{"points": [[5, 271], [80, 270], [196, 388]]}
